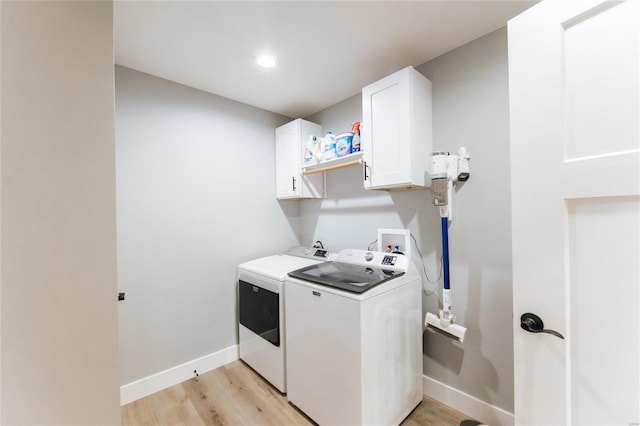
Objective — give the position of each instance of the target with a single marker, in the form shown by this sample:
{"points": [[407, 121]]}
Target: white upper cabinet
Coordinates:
{"points": [[290, 183], [396, 131]]}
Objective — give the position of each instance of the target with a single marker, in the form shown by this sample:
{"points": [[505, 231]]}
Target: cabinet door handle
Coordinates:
{"points": [[293, 183], [364, 169]]}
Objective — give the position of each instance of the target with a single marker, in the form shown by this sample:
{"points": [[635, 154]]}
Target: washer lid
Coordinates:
{"points": [[346, 276]]}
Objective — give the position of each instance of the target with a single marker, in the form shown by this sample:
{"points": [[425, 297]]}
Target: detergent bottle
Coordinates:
{"points": [[310, 155], [355, 142], [328, 147], [343, 144]]}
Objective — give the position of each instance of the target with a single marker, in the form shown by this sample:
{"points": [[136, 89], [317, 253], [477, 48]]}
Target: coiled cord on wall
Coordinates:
{"points": [[425, 272]]}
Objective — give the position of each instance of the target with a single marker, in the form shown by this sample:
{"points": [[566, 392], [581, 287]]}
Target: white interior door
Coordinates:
{"points": [[574, 71]]}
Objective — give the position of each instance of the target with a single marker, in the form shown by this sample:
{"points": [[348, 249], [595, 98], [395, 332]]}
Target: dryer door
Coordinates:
{"points": [[259, 311]]}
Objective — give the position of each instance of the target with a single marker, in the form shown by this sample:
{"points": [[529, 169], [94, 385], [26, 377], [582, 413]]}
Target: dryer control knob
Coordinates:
{"points": [[368, 256]]}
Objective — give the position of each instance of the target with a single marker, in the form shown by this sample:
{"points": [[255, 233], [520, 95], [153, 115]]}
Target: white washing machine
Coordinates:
{"points": [[261, 317], [354, 339]]}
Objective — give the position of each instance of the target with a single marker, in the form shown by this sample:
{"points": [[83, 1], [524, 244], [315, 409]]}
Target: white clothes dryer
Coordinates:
{"points": [[261, 317]]}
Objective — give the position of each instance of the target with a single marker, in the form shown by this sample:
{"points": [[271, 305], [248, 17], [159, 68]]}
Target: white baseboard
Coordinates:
{"points": [[178, 374], [432, 388], [475, 408]]}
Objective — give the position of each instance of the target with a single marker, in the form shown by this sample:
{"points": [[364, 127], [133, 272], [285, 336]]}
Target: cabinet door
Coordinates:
{"points": [[287, 162], [385, 132], [290, 183], [396, 131]]}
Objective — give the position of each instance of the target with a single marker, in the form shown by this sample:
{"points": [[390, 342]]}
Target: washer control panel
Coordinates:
{"points": [[389, 260], [394, 261]]}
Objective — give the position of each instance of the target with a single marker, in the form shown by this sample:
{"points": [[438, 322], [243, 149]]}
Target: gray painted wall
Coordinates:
{"points": [[58, 281], [195, 197], [470, 108]]}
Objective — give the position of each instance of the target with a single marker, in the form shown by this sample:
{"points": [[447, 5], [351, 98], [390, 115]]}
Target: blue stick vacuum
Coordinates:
{"points": [[445, 169]]}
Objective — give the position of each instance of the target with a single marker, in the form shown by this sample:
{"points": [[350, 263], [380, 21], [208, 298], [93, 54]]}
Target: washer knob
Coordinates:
{"points": [[368, 256]]}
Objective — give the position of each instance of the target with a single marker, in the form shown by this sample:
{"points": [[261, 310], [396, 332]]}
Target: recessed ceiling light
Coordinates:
{"points": [[266, 61]]}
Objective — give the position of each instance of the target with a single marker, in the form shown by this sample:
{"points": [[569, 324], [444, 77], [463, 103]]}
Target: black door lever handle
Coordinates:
{"points": [[533, 324]]}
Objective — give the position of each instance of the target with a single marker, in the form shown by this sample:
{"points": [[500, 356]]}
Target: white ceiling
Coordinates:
{"points": [[326, 51]]}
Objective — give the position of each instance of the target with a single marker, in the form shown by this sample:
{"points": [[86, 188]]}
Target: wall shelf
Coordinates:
{"points": [[333, 164]]}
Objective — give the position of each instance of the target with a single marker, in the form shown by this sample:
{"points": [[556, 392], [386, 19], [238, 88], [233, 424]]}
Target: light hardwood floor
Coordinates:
{"points": [[236, 395]]}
